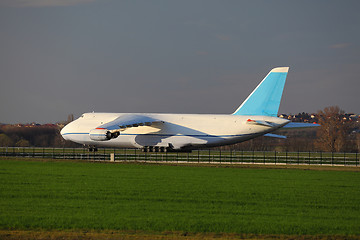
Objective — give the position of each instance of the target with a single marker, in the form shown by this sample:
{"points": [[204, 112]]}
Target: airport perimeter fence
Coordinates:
{"points": [[196, 156]]}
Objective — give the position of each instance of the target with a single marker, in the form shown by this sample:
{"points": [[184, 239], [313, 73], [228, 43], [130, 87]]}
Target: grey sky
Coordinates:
{"points": [[61, 56]]}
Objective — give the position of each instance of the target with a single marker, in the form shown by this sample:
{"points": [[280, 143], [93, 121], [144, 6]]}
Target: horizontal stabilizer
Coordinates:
{"points": [[259, 122], [301, 125], [274, 135]]}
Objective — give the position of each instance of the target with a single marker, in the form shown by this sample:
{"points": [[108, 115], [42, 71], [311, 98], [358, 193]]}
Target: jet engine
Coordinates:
{"points": [[102, 134]]}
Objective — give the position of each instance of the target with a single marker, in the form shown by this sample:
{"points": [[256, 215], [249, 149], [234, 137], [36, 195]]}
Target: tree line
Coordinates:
{"points": [[336, 134], [37, 136]]}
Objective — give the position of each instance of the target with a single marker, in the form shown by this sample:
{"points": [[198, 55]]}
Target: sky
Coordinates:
{"points": [[61, 57]]}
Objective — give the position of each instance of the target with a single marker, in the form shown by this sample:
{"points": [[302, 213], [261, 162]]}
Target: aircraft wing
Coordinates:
{"points": [[127, 121]]}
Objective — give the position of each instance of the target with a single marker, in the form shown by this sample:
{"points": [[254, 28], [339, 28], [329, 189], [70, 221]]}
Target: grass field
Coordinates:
{"points": [[64, 195]]}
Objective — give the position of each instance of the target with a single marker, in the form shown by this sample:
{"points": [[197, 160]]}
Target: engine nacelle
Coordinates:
{"points": [[100, 134]]}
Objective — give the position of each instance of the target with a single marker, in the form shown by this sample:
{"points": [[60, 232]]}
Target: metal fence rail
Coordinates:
{"points": [[198, 156]]}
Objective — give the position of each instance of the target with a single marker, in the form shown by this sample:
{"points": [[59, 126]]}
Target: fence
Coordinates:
{"points": [[198, 156]]}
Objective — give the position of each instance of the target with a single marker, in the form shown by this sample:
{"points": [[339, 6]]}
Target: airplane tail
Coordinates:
{"points": [[265, 99]]}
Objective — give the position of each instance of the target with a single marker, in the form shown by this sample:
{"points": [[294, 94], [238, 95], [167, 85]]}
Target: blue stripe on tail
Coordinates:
{"points": [[265, 99]]}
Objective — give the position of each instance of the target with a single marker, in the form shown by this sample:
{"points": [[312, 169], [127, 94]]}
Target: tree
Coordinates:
{"points": [[5, 141], [22, 143], [333, 131]]}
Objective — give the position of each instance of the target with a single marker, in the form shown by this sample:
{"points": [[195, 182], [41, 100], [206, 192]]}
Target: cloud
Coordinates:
{"points": [[202, 23], [223, 37], [201, 53], [42, 3], [339, 45]]}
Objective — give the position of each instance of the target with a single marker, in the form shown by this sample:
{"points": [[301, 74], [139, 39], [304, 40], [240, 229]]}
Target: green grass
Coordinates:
{"points": [[82, 195]]}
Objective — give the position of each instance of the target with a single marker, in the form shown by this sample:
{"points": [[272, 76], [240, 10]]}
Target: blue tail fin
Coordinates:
{"points": [[265, 99]]}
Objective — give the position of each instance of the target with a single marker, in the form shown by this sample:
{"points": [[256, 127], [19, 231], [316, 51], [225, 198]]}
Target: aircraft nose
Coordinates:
{"points": [[64, 132]]}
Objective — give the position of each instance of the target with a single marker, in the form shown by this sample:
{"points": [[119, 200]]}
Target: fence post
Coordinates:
{"points": [[309, 157], [332, 158], [275, 156], [264, 156], [209, 155], [344, 158], [356, 163], [198, 156], [298, 155], [320, 157], [220, 156]]}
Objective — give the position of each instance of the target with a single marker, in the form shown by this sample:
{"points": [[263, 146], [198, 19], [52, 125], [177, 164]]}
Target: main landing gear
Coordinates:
{"points": [[154, 149], [92, 149]]}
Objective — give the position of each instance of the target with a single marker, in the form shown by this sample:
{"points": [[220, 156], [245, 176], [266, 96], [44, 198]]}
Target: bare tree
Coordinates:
{"points": [[333, 132], [358, 142], [70, 118]]}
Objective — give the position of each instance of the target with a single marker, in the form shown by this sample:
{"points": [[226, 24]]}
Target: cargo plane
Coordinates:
{"points": [[153, 132]]}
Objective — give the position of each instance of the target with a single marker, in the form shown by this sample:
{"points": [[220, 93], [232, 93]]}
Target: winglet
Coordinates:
{"points": [[265, 99]]}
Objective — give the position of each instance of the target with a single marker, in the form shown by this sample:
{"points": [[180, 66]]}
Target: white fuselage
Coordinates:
{"points": [[182, 131]]}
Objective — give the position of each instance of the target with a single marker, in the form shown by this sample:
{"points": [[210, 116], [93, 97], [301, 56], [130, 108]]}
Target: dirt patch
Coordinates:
{"points": [[195, 164], [106, 235]]}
